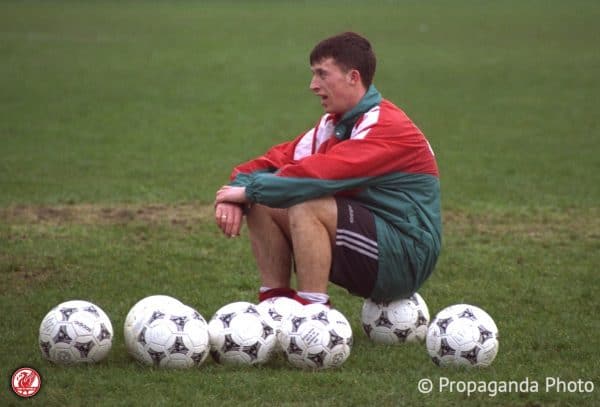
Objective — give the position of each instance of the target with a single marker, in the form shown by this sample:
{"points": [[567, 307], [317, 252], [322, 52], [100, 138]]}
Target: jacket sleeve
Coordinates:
{"points": [[275, 158]]}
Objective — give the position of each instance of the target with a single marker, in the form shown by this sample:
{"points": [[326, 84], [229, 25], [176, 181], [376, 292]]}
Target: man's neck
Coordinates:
{"points": [[356, 99], [345, 122]]}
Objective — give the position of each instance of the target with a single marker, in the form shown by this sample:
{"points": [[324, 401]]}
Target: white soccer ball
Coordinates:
{"points": [[75, 331], [275, 310], [396, 322], [170, 335], [134, 320], [316, 338], [462, 335], [239, 335]]}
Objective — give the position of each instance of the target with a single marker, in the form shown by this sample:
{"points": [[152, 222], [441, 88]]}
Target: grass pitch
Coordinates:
{"points": [[119, 120]]}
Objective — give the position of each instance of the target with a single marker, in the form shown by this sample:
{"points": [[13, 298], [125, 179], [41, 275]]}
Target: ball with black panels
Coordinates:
{"points": [[75, 332]]}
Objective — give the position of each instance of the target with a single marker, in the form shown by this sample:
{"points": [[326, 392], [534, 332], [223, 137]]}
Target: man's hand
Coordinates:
{"points": [[228, 209], [227, 193], [229, 218]]}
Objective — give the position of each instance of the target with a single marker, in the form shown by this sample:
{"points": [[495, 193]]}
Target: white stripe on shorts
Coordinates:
{"points": [[357, 236], [357, 242], [357, 249]]}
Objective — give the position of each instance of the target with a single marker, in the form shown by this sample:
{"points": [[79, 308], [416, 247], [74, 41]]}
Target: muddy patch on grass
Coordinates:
{"points": [[25, 225], [19, 277], [538, 224], [89, 214]]}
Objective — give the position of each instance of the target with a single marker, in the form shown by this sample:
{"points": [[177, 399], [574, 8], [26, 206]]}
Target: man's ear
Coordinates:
{"points": [[354, 77]]}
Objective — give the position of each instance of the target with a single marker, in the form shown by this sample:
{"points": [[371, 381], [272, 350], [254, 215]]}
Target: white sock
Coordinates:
{"points": [[317, 298]]}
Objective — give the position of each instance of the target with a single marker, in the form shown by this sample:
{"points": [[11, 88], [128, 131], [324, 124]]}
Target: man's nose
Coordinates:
{"points": [[314, 84]]}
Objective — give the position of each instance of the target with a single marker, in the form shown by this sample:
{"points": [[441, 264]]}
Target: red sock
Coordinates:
{"points": [[276, 292]]}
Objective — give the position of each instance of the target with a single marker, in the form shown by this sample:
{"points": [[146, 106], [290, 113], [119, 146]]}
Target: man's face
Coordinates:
{"points": [[333, 86]]}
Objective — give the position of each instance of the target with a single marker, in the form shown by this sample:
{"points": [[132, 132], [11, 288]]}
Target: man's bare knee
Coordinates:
{"points": [[322, 210], [258, 214], [320, 207]]}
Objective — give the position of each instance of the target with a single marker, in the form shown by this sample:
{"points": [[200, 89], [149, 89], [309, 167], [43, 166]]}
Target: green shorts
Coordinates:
{"points": [[405, 262]]}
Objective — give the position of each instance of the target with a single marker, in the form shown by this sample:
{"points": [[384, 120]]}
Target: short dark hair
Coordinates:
{"points": [[350, 51]]}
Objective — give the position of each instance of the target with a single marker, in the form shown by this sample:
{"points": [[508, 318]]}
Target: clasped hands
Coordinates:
{"points": [[228, 209]]}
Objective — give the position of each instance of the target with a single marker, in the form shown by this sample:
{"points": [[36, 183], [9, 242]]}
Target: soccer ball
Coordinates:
{"points": [[75, 331], [239, 335], [396, 322], [275, 310], [462, 335], [169, 335], [316, 338], [134, 320]]}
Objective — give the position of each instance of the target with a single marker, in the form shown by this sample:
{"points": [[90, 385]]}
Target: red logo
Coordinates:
{"points": [[26, 382]]}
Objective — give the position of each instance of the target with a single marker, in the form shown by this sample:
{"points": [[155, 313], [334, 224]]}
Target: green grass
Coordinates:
{"points": [[119, 120]]}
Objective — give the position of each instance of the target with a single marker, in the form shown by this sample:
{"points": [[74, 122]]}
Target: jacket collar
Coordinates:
{"points": [[344, 125]]}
